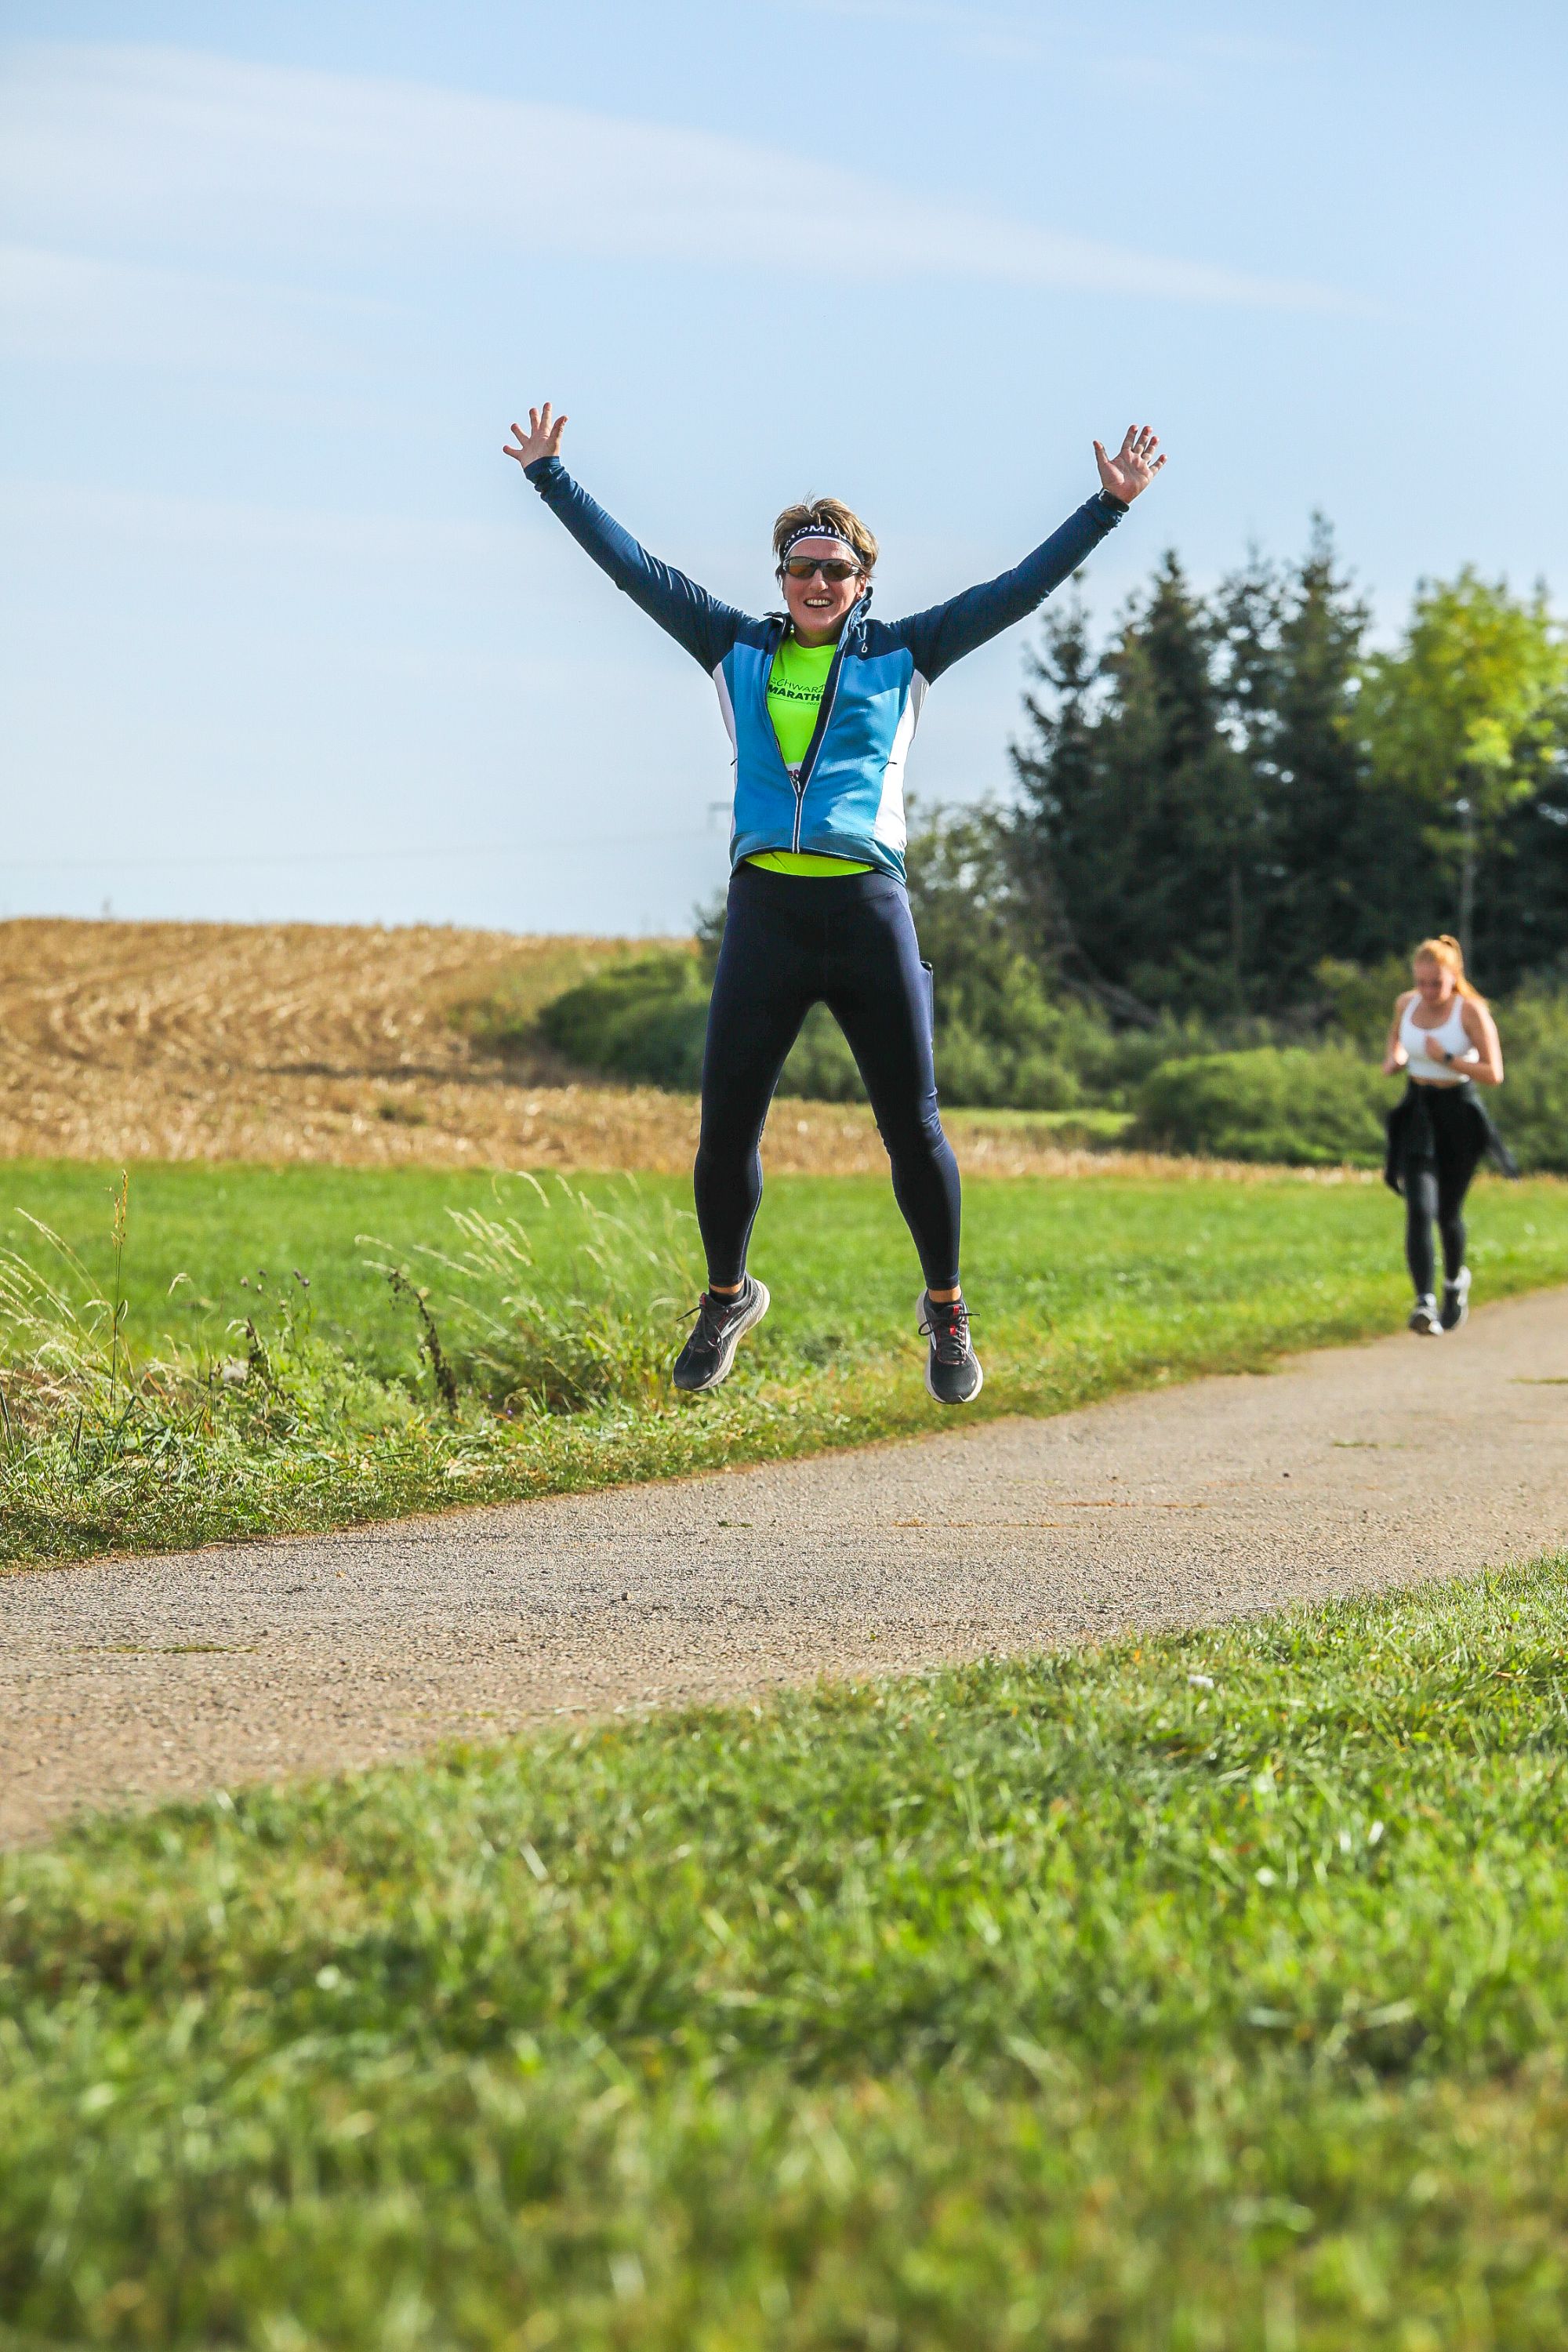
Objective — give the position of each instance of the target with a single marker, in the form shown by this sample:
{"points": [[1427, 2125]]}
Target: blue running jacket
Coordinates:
{"points": [[848, 800]]}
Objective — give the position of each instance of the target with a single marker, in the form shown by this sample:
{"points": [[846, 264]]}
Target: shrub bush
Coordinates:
{"points": [[1008, 1036], [1003, 1040], [1360, 999], [644, 1020], [820, 1068], [1532, 1109], [1287, 1104]]}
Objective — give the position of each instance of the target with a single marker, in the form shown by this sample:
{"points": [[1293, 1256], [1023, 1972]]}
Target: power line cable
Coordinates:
{"points": [[112, 863]]}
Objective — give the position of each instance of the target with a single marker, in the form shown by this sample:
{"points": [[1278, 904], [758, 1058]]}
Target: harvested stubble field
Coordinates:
{"points": [[356, 1046], [297, 1042]]}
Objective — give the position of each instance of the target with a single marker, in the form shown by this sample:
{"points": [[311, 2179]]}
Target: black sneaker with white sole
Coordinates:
{"points": [[1425, 1317], [1457, 1300], [721, 1325], [953, 1368]]}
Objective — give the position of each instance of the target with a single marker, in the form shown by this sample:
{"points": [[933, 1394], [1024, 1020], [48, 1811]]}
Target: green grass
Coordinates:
{"points": [[1088, 1125], [1201, 1994], [1079, 1289]]}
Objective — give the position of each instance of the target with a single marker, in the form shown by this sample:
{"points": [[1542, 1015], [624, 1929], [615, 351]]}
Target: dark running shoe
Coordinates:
{"points": [[1457, 1300], [1425, 1317], [953, 1368], [721, 1325]]}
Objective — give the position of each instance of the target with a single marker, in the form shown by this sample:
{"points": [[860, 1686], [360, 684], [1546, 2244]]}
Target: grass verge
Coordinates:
{"points": [[1208, 1991], [246, 1363]]}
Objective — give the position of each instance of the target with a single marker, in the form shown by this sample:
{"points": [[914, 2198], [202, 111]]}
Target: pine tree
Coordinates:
{"points": [[1128, 819], [1345, 877], [1234, 793], [1055, 772]]}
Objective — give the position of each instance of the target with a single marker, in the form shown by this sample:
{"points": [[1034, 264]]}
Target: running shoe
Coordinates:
{"points": [[721, 1325], [1425, 1317], [1457, 1300], [953, 1368]]}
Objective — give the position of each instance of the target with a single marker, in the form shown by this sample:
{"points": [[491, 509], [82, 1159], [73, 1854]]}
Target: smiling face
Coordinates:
{"points": [[819, 606]]}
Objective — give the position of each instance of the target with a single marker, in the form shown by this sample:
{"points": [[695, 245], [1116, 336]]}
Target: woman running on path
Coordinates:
{"points": [[821, 702], [1445, 1039]]}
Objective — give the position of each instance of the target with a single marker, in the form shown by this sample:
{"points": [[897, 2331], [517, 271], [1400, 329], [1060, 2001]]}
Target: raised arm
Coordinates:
{"points": [[946, 632], [694, 619]]}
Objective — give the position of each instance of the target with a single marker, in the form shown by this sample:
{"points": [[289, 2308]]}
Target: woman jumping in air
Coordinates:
{"points": [[821, 702], [1443, 1038]]}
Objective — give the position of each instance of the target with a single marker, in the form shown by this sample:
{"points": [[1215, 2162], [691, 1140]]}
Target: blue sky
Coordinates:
{"points": [[284, 636]]}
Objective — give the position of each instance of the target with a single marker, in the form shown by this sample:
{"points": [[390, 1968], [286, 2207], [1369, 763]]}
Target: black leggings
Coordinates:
{"points": [[847, 941], [1438, 1175]]}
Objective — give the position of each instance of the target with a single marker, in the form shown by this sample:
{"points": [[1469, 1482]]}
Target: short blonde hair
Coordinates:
{"points": [[834, 519]]}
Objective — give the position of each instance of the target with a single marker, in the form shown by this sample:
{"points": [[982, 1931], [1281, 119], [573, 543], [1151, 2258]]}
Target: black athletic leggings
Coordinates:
{"points": [[847, 941], [1437, 1172]]}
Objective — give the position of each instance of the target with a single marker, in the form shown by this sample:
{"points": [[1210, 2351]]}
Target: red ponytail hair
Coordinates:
{"points": [[1449, 956]]}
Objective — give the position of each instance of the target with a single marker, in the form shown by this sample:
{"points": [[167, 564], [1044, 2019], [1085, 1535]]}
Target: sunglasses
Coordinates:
{"points": [[806, 567]]}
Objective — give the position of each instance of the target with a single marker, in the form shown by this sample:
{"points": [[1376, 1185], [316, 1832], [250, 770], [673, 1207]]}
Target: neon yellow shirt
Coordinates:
{"points": [[795, 685]]}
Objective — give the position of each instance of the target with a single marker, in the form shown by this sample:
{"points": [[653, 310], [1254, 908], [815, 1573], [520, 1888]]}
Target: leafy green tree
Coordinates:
{"points": [[1522, 919], [1466, 717]]}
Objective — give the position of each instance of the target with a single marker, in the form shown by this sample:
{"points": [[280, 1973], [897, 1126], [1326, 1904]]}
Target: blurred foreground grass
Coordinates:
{"points": [[1204, 1991], [556, 1308]]}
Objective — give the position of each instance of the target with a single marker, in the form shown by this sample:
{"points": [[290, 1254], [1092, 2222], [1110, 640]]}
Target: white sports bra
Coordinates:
{"points": [[1450, 1036]]}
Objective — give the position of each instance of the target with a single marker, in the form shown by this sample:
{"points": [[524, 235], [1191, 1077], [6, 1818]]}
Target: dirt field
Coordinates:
{"points": [[227, 1041], [337, 1042]]}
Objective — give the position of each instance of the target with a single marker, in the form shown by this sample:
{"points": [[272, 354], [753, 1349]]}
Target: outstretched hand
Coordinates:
{"points": [[542, 438], [1131, 470]]}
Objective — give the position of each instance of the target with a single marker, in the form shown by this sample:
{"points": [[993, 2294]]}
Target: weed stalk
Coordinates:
{"points": [[445, 1378], [117, 1314]]}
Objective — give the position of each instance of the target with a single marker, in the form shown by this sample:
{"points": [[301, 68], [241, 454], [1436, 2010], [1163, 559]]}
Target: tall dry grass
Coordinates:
{"points": [[565, 1311]]}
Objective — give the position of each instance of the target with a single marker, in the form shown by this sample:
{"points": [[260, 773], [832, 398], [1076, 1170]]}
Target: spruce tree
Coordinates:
{"points": [[1346, 879], [1127, 818], [1055, 769], [1234, 792]]}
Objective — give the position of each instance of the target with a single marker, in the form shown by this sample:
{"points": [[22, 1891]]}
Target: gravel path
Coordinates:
{"points": [[137, 1679]]}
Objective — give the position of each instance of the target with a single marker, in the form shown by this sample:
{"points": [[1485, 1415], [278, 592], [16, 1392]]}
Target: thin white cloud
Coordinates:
{"points": [[980, 30], [143, 520], [57, 306], [1254, 49], [92, 529], [1182, 69], [203, 156]]}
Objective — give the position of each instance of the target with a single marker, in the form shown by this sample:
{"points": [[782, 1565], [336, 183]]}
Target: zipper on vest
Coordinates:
{"points": [[794, 778], [803, 773]]}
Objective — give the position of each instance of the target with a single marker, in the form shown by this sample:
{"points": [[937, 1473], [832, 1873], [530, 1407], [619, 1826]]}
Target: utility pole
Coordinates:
{"points": [[1466, 808]]}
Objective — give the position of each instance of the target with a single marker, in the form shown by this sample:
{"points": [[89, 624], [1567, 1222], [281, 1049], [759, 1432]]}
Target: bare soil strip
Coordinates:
{"points": [[130, 1680]]}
